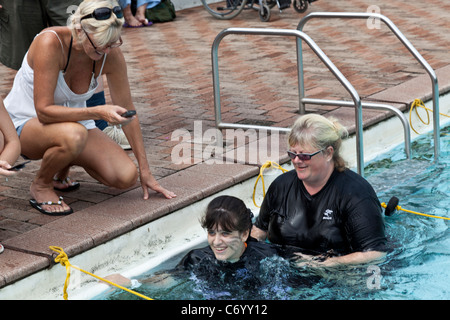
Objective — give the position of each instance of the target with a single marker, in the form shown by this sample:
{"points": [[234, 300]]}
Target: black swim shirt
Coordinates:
{"points": [[344, 216]]}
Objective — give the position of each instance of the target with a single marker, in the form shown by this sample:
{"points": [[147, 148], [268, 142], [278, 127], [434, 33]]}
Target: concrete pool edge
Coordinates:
{"points": [[97, 225]]}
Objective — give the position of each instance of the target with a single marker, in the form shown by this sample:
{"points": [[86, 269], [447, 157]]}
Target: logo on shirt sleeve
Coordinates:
{"points": [[328, 215]]}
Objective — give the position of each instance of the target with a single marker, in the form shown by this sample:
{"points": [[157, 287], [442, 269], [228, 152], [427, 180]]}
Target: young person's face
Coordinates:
{"points": [[227, 246]]}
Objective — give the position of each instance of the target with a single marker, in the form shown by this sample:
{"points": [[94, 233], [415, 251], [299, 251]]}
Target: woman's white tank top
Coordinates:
{"points": [[20, 101]]}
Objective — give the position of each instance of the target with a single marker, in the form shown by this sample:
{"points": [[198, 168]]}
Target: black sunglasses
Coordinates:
{"points": [[303, 156], [104, 13]]}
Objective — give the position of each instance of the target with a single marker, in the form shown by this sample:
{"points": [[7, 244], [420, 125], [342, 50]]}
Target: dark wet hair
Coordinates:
{"points": [[229, 213]]}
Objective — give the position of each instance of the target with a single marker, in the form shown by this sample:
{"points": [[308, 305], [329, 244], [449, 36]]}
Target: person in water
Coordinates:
{"points": [[232, 260], [47, 104], [321, 205], [228, 223]]}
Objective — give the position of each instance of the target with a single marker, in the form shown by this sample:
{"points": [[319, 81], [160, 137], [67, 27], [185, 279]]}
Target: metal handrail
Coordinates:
{"points": [[315, 48], [400, 36], [368, 105]]}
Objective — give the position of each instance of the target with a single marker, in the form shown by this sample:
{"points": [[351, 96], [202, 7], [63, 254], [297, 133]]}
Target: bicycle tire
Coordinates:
{"points": [[233, 8], [300, 5], [264, 16]]}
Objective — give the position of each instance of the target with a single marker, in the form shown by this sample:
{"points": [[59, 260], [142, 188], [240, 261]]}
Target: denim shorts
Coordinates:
{"points": [[19, 128]]}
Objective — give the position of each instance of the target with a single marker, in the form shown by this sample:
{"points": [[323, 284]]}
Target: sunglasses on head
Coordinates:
{"points": [[303, 156], [104, 13]]}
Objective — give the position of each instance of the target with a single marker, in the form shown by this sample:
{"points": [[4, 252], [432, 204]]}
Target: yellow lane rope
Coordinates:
{"points": [[417, 103], [418, 213], [268, 164], [64, 260]]}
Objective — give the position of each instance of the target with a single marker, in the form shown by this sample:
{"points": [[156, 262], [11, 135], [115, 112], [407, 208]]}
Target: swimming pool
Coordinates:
{"points": [[417, 267]]}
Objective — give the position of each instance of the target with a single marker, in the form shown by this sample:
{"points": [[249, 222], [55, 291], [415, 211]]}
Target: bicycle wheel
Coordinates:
{"points": [[264, 13], [224, 10], [300, 5]]}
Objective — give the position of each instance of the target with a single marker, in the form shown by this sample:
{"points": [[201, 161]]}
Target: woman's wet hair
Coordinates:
{"points": [[319, 132], [103, 31], [228, 213]]}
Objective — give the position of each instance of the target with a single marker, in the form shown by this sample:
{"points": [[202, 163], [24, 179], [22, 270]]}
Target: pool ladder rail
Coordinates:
{"points": [[356, 103]]}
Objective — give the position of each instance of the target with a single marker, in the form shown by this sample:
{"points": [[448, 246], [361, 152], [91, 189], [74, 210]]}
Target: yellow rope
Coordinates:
{"points": [[418, 213], [64, 260], [419, 103], [266, 165]]}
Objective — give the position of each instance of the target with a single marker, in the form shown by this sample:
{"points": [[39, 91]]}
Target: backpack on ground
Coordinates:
{"points": [[163, 12]]}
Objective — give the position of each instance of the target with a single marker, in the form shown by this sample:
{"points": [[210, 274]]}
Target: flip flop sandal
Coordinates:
{"points": [[126, 25], [147, 23], [71, 185], [37, 206], [144, 24]]}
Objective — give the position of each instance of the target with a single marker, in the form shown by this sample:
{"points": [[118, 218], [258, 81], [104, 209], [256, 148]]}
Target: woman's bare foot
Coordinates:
{"points": [[130, 20], [45, 194], [140, 14]]}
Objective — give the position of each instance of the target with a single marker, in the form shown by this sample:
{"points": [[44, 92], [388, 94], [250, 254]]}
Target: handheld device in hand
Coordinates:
{"points": [[129, 114], [18, 166]]}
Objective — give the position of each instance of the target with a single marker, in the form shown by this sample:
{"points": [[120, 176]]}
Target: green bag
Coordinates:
{"points": [[163, 12]]}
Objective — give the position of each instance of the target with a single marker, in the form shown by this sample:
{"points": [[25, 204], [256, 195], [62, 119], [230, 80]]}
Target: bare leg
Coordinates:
{"points": [[2, 141], [129, 18], [58, 145], [140, 13], [106, 161]]}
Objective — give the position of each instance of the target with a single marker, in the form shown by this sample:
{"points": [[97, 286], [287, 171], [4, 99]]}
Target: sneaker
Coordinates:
{"points": [[116, 133], [1, 248]]}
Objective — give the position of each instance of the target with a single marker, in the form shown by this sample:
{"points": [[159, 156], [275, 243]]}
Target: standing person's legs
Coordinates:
{"points": [[138, 19], [141, 7], [130, 19], [20, 22]]}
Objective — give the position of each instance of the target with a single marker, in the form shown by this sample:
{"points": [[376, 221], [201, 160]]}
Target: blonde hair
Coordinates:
{"points": [[103, 31], [319, 132]]}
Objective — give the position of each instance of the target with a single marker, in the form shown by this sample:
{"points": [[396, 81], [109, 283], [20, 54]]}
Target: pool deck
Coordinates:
{"points": [[171, 83]]}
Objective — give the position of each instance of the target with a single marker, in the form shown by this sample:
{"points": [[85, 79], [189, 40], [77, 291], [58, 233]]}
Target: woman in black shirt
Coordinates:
{"points": [[321, 205]]}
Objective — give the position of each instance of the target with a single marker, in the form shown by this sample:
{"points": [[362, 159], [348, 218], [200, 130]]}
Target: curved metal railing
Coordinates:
{"points": [[406, 43]]}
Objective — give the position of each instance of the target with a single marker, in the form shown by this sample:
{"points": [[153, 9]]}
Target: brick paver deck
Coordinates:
{"points": [[170, 76]]}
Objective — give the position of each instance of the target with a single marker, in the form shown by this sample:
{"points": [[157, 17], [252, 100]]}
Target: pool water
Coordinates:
{"points": [[417, 266]]}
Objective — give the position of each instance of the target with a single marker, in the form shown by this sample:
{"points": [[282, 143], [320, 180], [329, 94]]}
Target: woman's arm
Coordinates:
{"points": [[161, 279], [9, 141], [349, 259], [116, 73]]}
